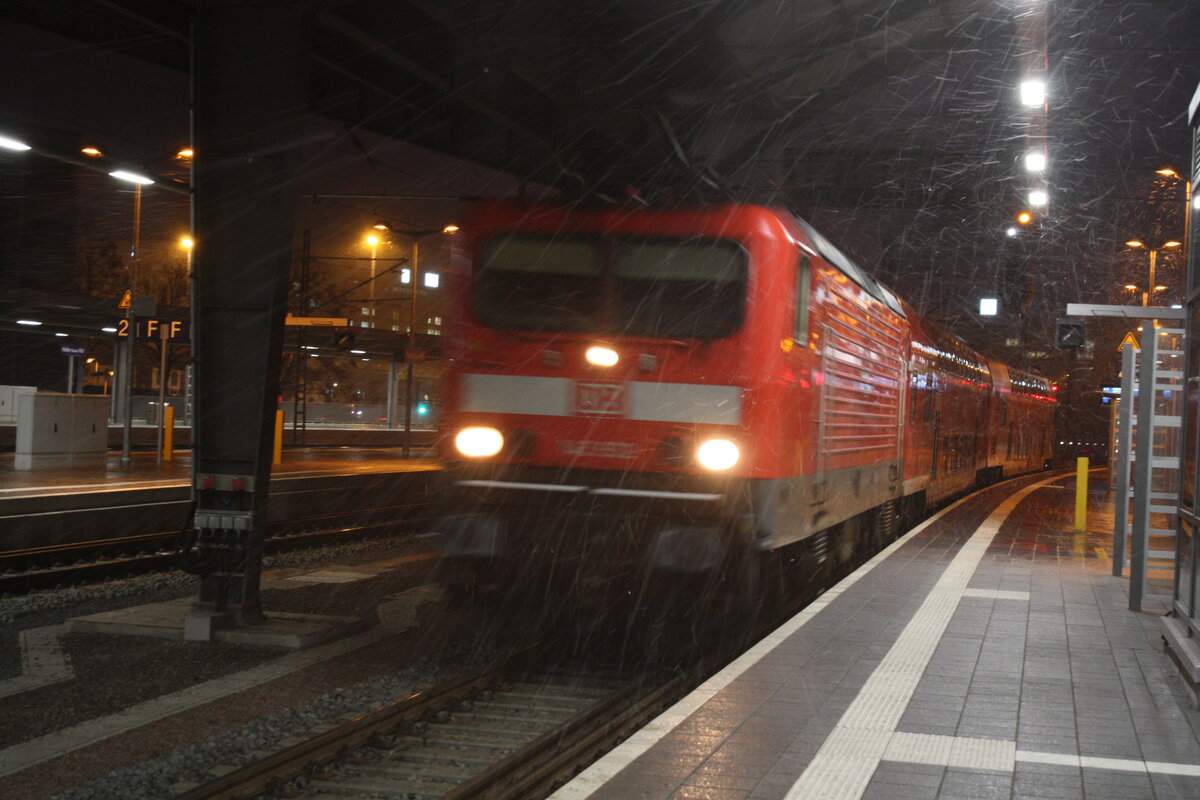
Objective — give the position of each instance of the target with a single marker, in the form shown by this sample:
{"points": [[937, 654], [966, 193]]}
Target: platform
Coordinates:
{"points": [[64, 506], [144, 472], [988, 653]]}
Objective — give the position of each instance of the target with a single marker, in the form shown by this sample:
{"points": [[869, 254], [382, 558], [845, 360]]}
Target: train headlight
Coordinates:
{"points": [[479, 442], [601, 356], [717, 454]]}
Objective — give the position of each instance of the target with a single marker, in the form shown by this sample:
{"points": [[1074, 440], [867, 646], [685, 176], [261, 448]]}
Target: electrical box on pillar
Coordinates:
{"points": [[1069, 334]]}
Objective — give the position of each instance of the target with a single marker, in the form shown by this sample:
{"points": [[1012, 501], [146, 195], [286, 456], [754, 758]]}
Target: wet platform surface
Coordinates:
{"points": [[987, 654], [144, 473]]}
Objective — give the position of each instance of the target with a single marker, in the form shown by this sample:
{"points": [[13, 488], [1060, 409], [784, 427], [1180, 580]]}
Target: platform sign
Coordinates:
{"points": [[179, 331], [317, 322], [72, 350]]}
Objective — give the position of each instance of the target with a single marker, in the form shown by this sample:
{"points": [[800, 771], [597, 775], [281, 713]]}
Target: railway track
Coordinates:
{"points": [[27, 569], [505, 732]]}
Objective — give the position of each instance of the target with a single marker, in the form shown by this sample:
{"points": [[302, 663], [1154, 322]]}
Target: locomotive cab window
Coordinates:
{"points": [[803, 269], [539, 283], [678, 288], [655, 287]]}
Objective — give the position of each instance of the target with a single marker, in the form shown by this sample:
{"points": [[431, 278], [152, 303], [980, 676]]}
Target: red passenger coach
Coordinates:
{"points": [[688, 389]]}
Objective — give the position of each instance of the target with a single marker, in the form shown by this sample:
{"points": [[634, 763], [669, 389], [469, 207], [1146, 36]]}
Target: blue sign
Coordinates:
{"points": [[72, 349]]}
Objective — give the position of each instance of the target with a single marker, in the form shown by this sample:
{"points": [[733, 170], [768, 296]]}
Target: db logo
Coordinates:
{"points": [[600, 399]]}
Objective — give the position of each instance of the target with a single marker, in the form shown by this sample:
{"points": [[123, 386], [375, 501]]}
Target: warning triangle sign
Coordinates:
{"points": [[1128, 341], [126, 300]]}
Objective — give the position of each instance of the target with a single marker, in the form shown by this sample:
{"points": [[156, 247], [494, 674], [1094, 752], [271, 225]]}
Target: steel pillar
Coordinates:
{"points": [[249, 100]]}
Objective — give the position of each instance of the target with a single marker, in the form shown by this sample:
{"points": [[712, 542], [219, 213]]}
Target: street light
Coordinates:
{"points": [[138, 180], [373, 242], [1152, 287]]}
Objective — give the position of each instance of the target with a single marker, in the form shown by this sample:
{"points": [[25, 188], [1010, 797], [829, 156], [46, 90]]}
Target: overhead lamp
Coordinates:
{"points": [[1172, 243], [432, 279], [60, 334], [988, 306], [108, 329], [186, 241], [1024, 218], [1134, 243], [381, 226], [91, 151], [1131, 287], [451, 228], [1160, 288], [1033, 93], [1038, 198], [1035, 161], [9, 143], [131, 177], [31, 322], [372, 240], [186, 152], [1011, 232], [1168, 172]]}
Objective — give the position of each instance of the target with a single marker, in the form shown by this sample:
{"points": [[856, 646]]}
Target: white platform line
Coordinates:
{"points": [[42, 661], [587, 782], [1001, 755], [842, 768], [35, 751]]}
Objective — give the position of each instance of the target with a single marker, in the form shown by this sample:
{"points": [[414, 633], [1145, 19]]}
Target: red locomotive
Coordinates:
{"points": [[702, 391]]}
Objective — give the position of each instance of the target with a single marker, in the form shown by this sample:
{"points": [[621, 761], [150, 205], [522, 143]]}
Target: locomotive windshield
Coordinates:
{"points": [[660, 288]]}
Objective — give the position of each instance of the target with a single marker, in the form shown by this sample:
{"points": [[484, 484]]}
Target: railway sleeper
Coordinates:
{"points": [[506, 746], [416, 771], [383, 787], [468, 758]]}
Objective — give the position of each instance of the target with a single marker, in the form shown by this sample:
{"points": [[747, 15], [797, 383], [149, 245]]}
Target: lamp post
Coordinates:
{"points": [[1151, 287], [414, 277], [373, 242], [138, 180]]}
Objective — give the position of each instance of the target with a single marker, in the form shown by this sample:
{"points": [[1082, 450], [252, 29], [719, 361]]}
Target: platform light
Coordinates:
{"points": [[1035, 161], [60, 334], [108, 329], [1024, 218], [1011, 232], [479, 442], [131, 177], [406, 275], [186, 152], [451, 228], [432, 280], [717, 454], [359, 352], [31, 322], [9, 143], [1038, 198], [422, 409], [988, 306], [601, 356], [1033, 92], [94, 152]]}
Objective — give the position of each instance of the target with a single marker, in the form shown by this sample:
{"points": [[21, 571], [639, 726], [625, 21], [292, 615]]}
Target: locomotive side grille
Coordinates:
{"points": [[860, 403]]}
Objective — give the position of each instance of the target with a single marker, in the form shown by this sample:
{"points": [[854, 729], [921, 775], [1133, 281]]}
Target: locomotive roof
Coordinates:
{"points": [[836, 257]]}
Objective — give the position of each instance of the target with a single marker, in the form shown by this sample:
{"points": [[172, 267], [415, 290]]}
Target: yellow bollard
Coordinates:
{"points": [[1081, 479], [277, 457], [168, 432]]}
